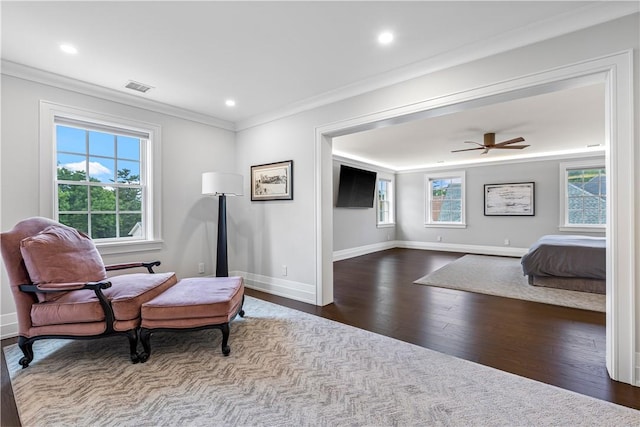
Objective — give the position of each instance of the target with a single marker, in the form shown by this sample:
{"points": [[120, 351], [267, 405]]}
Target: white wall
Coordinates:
{"points": [[188, 149], [483, 230]]}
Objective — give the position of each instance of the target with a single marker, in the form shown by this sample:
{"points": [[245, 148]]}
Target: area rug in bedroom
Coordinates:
{"points": [[286, 368], [502, 276]]}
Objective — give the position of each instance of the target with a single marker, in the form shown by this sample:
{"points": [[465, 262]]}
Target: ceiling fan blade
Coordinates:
{"points": [[514, 147], [511, 141], [468, 149], [473, 142]]}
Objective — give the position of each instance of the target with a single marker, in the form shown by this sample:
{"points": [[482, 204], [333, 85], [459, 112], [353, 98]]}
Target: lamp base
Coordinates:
{"points": [[222, 268]]}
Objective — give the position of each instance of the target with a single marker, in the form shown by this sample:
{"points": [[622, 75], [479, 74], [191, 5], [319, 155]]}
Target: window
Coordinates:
{"points": [[445, 200], [100, 177], [385, 202], [583, 195]]}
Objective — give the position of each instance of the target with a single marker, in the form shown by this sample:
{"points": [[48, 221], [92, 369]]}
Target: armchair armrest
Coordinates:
{"points": [[97, 287], [148, 265], [64, 287]]}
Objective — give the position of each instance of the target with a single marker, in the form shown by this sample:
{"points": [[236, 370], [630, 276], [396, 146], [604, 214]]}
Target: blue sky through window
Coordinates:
{"points": [[103, 156]]}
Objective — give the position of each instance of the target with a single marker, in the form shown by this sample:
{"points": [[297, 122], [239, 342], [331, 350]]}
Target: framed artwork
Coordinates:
{"points": [[272, 181], [515, 199]]}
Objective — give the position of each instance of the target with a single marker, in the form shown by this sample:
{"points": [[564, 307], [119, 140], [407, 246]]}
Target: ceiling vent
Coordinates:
{"points": [[140, 87]]}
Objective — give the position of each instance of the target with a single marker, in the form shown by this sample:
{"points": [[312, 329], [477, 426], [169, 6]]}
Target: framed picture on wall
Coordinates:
{"points": [[272, 181], [514, 199]]}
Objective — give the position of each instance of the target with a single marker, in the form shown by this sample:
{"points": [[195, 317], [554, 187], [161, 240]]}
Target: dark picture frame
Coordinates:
{"points": [[272, 181], [511, 199]]}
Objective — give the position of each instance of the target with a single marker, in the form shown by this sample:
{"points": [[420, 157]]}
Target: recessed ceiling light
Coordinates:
{"points": [[230, 103], [67, 48], [385, 37]]}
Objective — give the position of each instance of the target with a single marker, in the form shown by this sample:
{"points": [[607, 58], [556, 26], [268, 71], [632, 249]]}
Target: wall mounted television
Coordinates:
{"points": [[356, 188]]}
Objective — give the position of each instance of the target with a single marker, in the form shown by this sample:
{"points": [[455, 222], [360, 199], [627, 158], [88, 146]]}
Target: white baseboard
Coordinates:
{"points": [[637, 370], [285, 288], [363, 250], [468, 249], [8, 325], [429, 246]]}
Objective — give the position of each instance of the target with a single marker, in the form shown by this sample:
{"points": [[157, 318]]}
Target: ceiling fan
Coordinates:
{"points": [[490, 143]]}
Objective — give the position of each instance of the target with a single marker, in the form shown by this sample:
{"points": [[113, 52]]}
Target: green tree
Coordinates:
{"points": [[73, 203]]}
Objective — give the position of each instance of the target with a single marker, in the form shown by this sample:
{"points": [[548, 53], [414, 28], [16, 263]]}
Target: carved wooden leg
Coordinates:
{"points": [[27, 349], [241, 312], [145, 338], [225, 339], [133, 345]]}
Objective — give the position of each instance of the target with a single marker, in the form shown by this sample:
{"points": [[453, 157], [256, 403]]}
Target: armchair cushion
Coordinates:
{"points": [[61, 254], [127, 293]]}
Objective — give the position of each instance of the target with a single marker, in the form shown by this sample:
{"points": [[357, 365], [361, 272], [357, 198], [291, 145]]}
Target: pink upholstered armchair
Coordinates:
{"points": [[61, 289]]}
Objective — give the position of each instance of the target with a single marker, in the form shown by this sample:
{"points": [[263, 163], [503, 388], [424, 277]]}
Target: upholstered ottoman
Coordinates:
{"points": [[193, 304]]}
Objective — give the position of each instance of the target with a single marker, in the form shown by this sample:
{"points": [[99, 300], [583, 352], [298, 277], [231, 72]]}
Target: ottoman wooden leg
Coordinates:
{"points": [[225, 339]]}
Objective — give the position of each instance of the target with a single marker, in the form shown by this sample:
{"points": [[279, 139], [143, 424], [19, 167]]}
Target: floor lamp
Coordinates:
{"points": [[222, 185]]}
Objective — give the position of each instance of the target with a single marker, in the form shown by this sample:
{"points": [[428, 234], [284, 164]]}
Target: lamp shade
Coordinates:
{"points": [[218, 183]]}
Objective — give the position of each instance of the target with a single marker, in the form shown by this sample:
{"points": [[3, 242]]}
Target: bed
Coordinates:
{"points": [[576, 263]]}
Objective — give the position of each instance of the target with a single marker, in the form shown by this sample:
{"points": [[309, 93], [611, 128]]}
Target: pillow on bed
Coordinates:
{"points": [[61, 254]]}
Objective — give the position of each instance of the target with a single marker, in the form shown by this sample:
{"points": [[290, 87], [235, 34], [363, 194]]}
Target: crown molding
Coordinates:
{"points": [[36, 75], [598, 153], [561, 24]]}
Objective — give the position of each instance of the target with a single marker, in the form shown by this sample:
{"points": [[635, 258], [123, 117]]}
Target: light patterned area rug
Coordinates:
{"points": [[286, 368], [502, 276]]}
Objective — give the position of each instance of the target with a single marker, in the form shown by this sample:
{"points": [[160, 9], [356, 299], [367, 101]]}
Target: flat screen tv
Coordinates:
{"points": [[356, 188]]}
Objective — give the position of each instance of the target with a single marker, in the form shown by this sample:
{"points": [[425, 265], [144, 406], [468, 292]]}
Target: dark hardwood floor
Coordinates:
{"points": [[561, 346], [556, 345]]}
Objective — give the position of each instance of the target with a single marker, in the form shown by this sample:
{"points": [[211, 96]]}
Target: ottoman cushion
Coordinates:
{"points": [[194, 302]]}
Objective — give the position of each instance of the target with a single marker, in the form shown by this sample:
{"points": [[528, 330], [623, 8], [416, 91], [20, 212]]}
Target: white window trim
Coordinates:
{"points": [[428, 222], [48, 112], [392, 204], [564, 214]]}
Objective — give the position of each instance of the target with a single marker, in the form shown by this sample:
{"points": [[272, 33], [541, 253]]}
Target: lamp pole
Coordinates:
{"points": [[222, 268], [221, 185]]}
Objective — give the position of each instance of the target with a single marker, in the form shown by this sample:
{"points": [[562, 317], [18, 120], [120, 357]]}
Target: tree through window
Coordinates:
{"points": [[100, 186]]}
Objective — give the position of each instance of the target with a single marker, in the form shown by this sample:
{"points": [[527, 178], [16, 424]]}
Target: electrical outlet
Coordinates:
{"points": [[507, 242], [201, 268], [284, 270]]}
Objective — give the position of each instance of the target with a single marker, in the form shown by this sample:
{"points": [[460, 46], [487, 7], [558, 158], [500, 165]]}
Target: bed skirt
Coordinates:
{"points": [[594, 286]]}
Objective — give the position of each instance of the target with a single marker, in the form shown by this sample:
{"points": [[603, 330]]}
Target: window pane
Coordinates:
{"points": [[586, 196], [101, 170], [71, 140], [128, 172], [72, 167], [77, 221], [72, 198], [103, 199], [103, 226], [446, 200], [128, 148], [101, 144], [130, 199], [131, 225]]}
